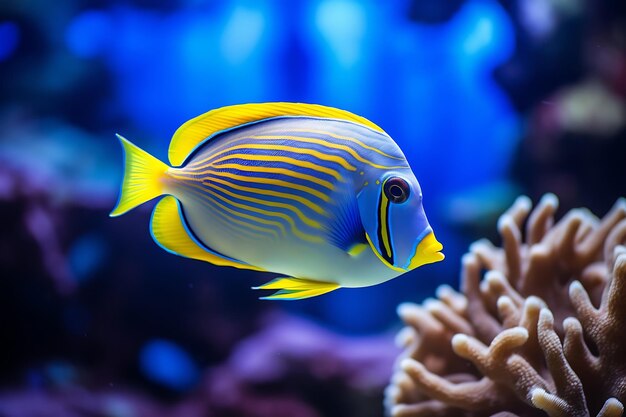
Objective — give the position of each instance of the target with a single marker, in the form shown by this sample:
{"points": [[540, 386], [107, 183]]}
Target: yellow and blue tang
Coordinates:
{"points": [[320, 195]]}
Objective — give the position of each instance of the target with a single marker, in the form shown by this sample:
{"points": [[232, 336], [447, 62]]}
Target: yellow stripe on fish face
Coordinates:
{"points": [[383, 260], [383, 228], [303, 151], [198, 191], [327, 144]]}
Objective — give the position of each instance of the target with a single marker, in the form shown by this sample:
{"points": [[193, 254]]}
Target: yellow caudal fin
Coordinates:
{"points": [[142, 178], [296, 288]]}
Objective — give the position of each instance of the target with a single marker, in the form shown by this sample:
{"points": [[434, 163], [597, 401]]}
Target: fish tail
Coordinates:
{"points": [[143, 178]]}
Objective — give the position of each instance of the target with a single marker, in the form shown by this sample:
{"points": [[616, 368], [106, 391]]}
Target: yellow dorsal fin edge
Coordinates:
{"points": [[197, 130]]}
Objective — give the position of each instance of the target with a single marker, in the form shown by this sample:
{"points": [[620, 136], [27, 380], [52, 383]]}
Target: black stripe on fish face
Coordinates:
{"points": [[382, 231]]}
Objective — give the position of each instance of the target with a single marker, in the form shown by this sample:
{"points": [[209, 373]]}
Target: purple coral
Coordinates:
{"points": [[526, 339]]}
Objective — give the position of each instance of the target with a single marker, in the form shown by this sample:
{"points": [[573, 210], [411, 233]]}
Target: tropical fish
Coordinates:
{"points": [[318, 194]]}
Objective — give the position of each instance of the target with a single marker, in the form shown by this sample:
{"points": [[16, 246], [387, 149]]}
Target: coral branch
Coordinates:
{"points": [[541, 219], [486, 327], [611, 408], [540, 333], [615, 310], [569, 399], [577, 352]]}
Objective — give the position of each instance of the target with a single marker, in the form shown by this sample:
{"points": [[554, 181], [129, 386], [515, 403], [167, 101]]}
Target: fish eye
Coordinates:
{"points": [[396, 190]]}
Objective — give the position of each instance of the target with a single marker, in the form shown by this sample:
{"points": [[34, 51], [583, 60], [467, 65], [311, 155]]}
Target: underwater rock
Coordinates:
{"points": [[525, 338]]}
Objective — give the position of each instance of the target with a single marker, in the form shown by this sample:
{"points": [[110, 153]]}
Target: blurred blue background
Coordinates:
{"points": [[488, 99]]}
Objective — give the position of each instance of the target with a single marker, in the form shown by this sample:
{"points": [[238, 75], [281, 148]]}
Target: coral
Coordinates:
{"points": [[526, 339]]}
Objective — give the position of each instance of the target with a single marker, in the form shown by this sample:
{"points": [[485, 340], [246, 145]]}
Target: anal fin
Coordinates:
{"points": [[296, 288], [169, 231]]}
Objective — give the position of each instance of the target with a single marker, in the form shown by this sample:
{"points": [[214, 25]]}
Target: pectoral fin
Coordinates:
{"points": [[357, 249], [296, 288]]}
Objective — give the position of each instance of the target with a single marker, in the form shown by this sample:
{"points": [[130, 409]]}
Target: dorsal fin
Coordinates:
{"points": [[195, 131]]}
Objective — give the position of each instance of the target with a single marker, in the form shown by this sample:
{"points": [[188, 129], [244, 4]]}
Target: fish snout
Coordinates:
{"points": [[428, 251]]}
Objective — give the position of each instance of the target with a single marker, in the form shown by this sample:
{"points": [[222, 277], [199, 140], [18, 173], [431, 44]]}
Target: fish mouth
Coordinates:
{"points": [[427, 252]]}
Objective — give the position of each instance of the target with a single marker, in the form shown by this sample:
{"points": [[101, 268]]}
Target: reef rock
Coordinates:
{"points": [[523, 337]]}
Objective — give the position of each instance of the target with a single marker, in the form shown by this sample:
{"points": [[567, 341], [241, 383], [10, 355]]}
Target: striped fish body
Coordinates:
{"points": [[302, 190], [281, 194]]}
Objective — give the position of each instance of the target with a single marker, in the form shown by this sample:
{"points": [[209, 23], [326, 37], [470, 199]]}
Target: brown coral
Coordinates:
{"points": [[525, 339]]}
